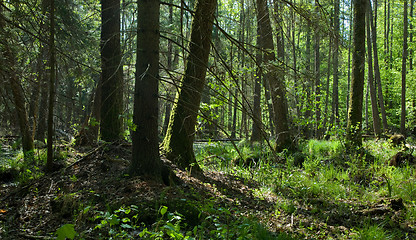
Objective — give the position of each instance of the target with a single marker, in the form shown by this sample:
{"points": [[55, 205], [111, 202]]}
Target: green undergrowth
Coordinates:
{"points": [[333, 185], [15, 168], [319, 192], [212, 222]]}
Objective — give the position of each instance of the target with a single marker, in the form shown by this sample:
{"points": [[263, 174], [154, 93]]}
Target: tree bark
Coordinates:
{"points": [[404, 71], [308, 84], [354, 123], [317, 76], [17, 90], [178, 142], [146, 159], [112, 72], [256, 134], [52, 76], [377, 70], [374, 108], [275, 78], [335, 92]]}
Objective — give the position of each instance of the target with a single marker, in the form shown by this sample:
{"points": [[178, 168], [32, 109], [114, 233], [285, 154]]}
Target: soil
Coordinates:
{"points": [[97, 179]]}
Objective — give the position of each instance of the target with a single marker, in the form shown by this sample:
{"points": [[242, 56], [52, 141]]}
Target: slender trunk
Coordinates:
{"points": [[35, 96], [178, 142], [335, 92], [257, 123], [349, 65], [256, 134], [385, 28], [43, 108], [327, 93], [307, 85], [52, 76], [374, 108], [377, 71], [366, 128], [317, 77], [354, 125], [411, 35], [404, 72], [267, 96], [276, 80], [168, 102]]}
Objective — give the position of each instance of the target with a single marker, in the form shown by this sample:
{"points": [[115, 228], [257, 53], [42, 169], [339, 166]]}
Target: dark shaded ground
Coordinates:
{"points": [[97, 179]]}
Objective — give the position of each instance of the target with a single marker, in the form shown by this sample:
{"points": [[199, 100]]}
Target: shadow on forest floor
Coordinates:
{"points": [[94, 183]]}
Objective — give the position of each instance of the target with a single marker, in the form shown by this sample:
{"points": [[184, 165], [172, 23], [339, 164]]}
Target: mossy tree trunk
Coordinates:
{"points": [[178, 142], [112, 72], [275, 78], [354, 123], [146, 159]]}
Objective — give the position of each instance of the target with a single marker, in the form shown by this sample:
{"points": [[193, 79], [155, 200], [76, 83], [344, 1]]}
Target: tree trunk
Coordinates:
{"points": [[43, 108], [317, 76], [178, 142], [377, 71], [168, 102], [404, 72], [335, 93], [256, 134], [52, 76], [112, 72], [267, 97], [146, 159], [17, 90], [354, 123], [374, 108], [411, 36], [327, 93], [308, 84], [88, 134], [275, 78], [349, 67]]}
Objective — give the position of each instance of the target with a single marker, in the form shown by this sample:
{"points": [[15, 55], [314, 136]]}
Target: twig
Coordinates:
{"points": [[33, 237], [86, 156]]}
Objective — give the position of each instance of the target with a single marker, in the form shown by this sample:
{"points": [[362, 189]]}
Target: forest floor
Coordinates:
{"points": [[92, 197]]}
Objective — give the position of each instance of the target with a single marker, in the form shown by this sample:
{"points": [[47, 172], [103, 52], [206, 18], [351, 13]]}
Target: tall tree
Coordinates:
{"points": [[275, 78], [10, 68], [377, 69], [374, 107], [256, 134], [52, 76], [317, 77], [335, 94], [404, 71], [112, 72], [146, 158], [354, 123], [178, 142]]}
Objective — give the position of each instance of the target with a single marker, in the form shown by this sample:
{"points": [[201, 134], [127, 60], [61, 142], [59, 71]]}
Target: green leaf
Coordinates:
{"points": [[125, 225], [163, 210], [113, 220], [66, 231]]}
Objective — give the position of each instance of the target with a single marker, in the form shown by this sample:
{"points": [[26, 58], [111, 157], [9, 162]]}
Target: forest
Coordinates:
{"points": [[207, 119]]}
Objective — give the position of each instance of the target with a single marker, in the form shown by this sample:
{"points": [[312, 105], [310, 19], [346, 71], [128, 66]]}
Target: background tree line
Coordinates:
{"points": [[176, 71]]}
